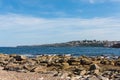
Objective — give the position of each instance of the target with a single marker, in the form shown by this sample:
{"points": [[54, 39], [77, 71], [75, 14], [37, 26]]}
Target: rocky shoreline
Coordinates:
{"points": [[66, 67]]}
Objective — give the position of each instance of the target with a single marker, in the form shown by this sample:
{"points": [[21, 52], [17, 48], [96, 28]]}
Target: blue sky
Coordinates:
{"points": [[28, 22]]}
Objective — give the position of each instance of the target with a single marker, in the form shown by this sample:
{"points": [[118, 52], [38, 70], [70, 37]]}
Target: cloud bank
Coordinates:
{"points": [[20, 30]]}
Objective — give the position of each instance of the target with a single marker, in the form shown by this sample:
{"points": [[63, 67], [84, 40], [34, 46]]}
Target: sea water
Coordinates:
{"points": [[75, 51]]}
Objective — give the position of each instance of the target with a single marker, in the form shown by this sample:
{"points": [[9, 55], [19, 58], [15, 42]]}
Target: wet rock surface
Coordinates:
{"points": [[64, 66]]}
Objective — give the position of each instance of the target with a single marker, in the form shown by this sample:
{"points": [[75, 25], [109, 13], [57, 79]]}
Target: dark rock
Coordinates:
{"points": [[117, 63], [94, 67], [18, 57], [85, 61]]}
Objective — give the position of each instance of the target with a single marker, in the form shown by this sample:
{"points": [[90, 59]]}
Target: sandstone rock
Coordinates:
{"points": [[102, 78], [40, 78], [39, 69], [106, 62], [97, 71], [76, 78], [29, 67], [78, 71], [3, 55], [64, 75], [3, 62], [83, 72], [92, 78], [31, 62], [13, 67], [65, 66], [4, 59], [58, 74], [117, 76]]}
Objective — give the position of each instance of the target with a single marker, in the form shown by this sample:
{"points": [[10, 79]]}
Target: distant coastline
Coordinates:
{"points": [[82, 43]]}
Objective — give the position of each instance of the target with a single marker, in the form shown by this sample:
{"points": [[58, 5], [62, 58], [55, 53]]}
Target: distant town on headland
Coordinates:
{"points": [[81, 43]]}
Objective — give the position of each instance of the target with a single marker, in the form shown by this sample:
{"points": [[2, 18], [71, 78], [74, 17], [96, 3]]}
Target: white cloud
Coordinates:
{"points": [[19, 29]]}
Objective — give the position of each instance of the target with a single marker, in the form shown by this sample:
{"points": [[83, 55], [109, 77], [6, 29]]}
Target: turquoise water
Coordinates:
{"points": [[76, 51]]}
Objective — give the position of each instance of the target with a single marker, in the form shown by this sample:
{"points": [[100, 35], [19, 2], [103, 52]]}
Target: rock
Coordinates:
{"points": [[40, 78], [106, 62], [92, 78], [117, 63], [97, 71], [22, 71], [117, 76], [20, 58], [83, 72], [65, 66], [39, 69], [30, 62], [64, 75], [72, 61], [107, 74], [85, 61], [102, 78], [4, 55], [94, 67], [58, 74], [81, 68], [4, 59], [76, 78], [13, 67], [3, 62], [29, 67], [78, 71]]}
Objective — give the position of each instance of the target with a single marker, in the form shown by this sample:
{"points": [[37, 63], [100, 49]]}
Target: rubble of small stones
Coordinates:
{"points": [[65, 66]]}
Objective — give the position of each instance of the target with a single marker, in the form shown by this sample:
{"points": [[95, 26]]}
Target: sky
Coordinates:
{"points": [[34, 22]]}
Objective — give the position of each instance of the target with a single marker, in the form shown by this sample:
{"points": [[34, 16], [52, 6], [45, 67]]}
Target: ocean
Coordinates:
{"points": [[75, 51]]}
